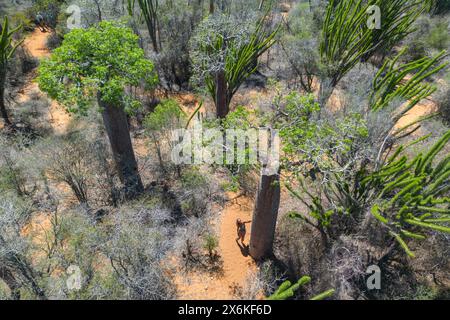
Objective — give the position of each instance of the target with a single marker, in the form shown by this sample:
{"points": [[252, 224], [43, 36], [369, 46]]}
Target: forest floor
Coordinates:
{"points": [[35, 44]]}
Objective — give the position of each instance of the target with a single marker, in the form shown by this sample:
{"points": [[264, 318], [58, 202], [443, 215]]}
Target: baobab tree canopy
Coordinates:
{"points": [[104, 59]]}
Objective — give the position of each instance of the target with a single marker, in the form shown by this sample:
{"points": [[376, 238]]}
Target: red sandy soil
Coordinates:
{"points": [[35, 43], [237, 265], [422, 109]]}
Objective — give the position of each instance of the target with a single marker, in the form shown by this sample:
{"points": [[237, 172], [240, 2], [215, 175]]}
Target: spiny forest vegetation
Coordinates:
{"points": [[93, 207]]}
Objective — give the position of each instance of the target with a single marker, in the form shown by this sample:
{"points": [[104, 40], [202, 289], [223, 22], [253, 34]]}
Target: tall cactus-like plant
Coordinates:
{"points": [[396, 22], [228, 55], [391, 82], [405, 81], [287, 290], [347, 38], [149, 12], [7, 49], [413, 195]]}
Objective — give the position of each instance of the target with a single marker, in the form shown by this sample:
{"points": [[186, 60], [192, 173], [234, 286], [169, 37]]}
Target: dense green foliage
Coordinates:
{"points": [[104, 60]]}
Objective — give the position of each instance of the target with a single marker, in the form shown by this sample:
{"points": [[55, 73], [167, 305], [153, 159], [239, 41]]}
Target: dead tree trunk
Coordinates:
{"points": [[222, 106], [115, 121], [265, 216]]}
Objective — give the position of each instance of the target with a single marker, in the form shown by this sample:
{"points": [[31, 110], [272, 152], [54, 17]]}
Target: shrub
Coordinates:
{"points": [[444, 106], [210, 244], [14, 174], [54, 41], [193, 178], [300, 47], [177, 22], [20, 18], [136, 249], [439, 37], [70, 161], [15, 250], [159, 124]]}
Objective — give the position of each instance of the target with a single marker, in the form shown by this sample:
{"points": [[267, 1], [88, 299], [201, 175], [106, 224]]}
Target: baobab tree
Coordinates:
{"points": [[7, 49], [101, 63], [265, 216]]}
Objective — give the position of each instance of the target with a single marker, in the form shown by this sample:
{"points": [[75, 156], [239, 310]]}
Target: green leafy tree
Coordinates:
{"points": [[101, 63], [7, 49]]}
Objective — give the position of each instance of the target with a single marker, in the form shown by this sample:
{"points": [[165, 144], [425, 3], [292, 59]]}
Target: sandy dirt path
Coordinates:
{"points": [[237, 264], [422, 109], [40, 224], [35, 43]]}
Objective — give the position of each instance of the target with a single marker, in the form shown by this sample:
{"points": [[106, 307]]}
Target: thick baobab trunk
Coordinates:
{"points": [[265, 216], [222, 107], [2, 99], [115, 121]]}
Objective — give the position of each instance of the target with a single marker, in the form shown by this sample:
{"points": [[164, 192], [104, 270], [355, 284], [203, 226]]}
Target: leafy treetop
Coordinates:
{"points": [[103, 60]]}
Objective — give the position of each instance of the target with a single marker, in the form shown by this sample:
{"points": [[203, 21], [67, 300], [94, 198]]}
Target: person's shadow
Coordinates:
{"points": [[245, 249]]}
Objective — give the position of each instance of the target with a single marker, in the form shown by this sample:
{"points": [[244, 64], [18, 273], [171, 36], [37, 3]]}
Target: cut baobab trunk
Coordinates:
{"points": [[265, 216], [116, 124]]}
